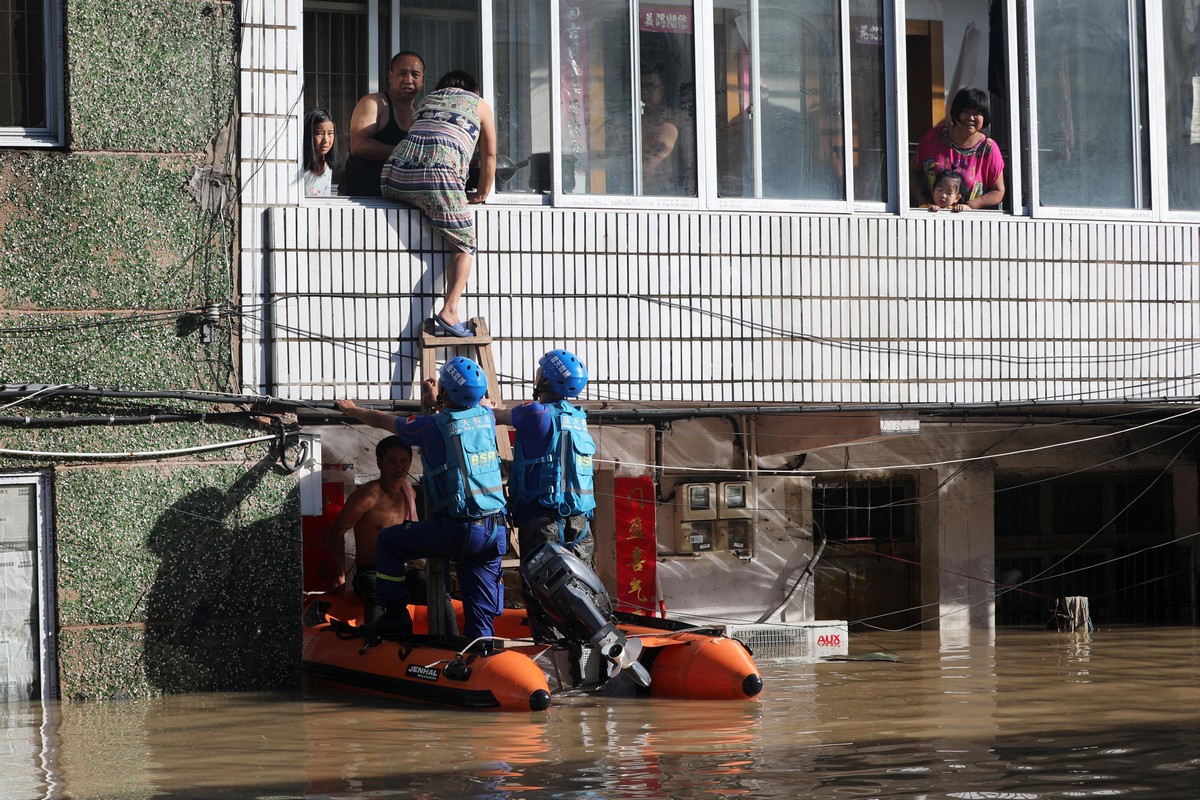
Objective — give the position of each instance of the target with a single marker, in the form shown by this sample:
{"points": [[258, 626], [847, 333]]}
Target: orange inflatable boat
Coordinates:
{"points": [[427, 669], [595, 645], [681, 661]]}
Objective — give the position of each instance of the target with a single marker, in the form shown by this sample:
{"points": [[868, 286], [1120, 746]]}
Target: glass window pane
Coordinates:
{"points": [[22, 64], [800, 122], [667, 51], [1091, 117], [597, 90], [18, 594], [801, 96], [445, 32], [1181, 25], [731, 72], [522, 94], [868, 89]]}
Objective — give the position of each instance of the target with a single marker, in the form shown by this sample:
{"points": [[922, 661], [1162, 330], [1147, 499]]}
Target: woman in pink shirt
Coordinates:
{"points": [[962, 146]]}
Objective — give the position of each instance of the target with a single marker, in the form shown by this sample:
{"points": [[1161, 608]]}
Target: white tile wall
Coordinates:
{"points": [[837, 321]]}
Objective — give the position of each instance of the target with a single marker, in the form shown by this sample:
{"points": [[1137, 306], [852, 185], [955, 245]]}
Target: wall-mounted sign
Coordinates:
{"points": [[665, 19]]}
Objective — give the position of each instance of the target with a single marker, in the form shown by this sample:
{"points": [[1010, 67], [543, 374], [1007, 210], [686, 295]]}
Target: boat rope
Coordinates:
{"points": [[461, 653], [715, 630]]}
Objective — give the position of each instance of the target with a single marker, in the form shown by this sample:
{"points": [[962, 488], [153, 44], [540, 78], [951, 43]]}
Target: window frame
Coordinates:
{"points": [[583, 200], [47, 639], [707, 196], [54, 132], [1029, 89], [1012, 205], [859, 488], [1012, 71], [487, 57], [1156, 76]]}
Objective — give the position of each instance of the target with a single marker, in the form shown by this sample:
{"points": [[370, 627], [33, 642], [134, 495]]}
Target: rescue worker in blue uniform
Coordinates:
{"points": [[550, 487], [465, 497]]}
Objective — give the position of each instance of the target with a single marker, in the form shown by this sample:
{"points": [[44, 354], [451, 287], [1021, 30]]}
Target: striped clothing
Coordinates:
{"points": [[429, 168]]}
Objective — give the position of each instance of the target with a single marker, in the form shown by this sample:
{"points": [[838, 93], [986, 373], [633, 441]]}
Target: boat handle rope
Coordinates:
{"points": [[459, 655], [693, 629]]}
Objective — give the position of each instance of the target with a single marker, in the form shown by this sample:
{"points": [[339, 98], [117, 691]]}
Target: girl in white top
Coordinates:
{"points": [[318, 149]]}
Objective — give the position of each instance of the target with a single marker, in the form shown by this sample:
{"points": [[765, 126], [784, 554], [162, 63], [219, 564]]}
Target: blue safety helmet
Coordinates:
{"points": [[565, 373], [463, 382]]}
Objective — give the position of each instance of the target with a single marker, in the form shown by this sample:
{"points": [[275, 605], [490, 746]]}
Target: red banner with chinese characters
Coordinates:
{"points": [[637, 574]]}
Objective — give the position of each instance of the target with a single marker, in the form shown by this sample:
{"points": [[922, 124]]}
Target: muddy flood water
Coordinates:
{"points": [[1015, 714]]}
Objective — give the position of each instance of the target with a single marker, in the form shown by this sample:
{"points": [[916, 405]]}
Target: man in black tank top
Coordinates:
{"points": [[380, 122]]}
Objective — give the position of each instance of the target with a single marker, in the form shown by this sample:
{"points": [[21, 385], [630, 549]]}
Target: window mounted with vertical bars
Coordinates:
{"points": [[349, 44], [871, 511], [30, 74]]}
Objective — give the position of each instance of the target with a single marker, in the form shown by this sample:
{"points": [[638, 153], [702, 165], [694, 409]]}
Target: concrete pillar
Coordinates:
{"points": [[959, 558], [1187, 497], [1186, 494]]}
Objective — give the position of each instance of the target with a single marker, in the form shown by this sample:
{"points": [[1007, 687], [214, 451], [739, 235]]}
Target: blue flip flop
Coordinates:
{"points": [[460, 330]]}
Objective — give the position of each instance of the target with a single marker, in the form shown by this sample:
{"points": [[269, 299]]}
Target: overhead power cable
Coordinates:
{"points": [[1184, 346], [135, 455]]}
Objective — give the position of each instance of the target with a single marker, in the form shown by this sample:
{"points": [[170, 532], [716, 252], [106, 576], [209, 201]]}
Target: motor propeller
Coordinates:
{"points": [[626, 659], [575, 599]]}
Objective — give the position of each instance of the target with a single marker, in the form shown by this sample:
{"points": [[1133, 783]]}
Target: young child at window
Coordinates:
{"points": [[318, 149], [947, 192]]}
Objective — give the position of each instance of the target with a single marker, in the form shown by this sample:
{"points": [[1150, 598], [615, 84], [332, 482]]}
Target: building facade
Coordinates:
{"points": [[929, 419], [934, 396]]}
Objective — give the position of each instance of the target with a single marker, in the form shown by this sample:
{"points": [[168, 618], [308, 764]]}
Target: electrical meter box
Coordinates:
{"points": [[695, 537], [736, 536], [696, 520], [735, 518], [735, 500], [697, 501]]}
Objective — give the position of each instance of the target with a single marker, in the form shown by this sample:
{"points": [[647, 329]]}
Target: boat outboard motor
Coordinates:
{"points": [[575, 599]]}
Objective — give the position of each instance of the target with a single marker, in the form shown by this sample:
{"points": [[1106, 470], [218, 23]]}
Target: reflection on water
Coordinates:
{"points": [[1017, 714]]}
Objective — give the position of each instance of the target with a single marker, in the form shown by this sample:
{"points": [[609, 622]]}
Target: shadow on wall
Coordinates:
{"points": [[222, 612], [406, 359]]}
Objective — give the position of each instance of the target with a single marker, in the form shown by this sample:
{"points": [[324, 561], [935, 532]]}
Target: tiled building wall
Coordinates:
{"points": [[744, 308]]}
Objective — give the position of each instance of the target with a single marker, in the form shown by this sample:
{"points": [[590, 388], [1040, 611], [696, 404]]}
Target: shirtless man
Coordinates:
{"points": [[382, 503], [660, 135], [380, 122]]}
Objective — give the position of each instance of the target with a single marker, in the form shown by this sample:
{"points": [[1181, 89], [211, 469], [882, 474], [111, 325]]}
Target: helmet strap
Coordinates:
{"points": [[541, 387]]}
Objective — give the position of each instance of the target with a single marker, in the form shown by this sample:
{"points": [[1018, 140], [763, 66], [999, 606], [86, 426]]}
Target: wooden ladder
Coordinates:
{"points": [[478, 348]]}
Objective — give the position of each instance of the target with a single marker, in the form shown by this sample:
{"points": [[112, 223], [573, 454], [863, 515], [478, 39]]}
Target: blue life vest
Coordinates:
{"points": [[564, 482], [469, 484]]}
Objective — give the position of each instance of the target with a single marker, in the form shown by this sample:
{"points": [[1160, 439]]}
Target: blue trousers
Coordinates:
{"points": [[476, 545]]}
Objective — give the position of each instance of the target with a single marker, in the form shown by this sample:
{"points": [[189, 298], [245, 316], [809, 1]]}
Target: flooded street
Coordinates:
{"points": [[1017, 714]]}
